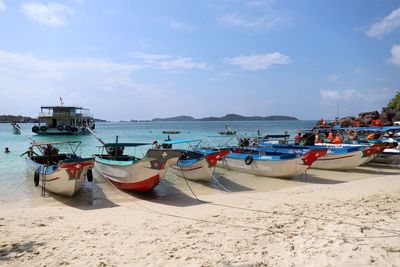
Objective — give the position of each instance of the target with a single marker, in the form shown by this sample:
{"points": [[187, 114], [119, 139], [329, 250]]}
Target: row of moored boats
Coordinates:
{"points": [[64, 172]]}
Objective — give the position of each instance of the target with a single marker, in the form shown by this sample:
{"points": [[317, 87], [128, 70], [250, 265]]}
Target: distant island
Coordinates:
{"points": [[229, 117], [19, 119]]}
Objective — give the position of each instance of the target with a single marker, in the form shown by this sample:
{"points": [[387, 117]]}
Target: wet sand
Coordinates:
{"points": [[323, 218]]}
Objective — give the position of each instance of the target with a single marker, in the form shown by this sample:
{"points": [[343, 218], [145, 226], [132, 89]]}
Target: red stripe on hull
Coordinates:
{"points": [[141, 186]]}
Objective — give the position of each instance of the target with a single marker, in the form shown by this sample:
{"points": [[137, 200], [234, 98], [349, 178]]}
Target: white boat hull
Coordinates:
{"points": [[388, 156], [198, 171], [59, 180], [140, 175], [273, 168], [341, 161]]}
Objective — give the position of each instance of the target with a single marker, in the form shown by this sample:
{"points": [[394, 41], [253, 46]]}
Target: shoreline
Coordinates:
{"points": [[340, 224]]}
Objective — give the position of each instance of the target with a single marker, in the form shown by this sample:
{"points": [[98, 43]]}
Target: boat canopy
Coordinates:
{"points": [[62, 107], [125, 144], [54, 143], [180, 141]]}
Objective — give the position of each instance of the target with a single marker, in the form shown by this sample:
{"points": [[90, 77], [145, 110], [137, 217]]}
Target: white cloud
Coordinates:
{"points": [[28, 81], [329, 96], [51, 14], [26, 69], [110, 11], [151, 57], [263, 23], [386, 25], [259, 62], [171, 63], [395, 55], [364, 99], [2, 6], [251, 15], [333, 78], [178, 25]]}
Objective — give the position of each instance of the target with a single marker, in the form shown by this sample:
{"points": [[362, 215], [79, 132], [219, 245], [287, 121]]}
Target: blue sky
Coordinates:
{"points": [[128, 59]]}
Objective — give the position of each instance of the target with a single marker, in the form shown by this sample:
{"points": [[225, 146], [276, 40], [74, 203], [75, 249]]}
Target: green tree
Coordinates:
{"points": [[395, 102]]}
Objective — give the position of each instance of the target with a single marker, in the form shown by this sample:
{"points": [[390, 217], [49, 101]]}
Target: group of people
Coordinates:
{"points": [[245, 142], [330, 138]]}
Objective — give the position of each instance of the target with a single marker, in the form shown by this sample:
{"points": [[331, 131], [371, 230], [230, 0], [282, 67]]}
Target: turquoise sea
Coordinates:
{"points": [[17, 183]]}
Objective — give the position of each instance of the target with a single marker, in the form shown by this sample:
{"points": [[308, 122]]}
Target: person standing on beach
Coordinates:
{"points": [[297, 139]]}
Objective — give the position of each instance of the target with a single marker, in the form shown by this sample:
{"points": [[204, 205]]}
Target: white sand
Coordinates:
{"points": [[344, 224]]}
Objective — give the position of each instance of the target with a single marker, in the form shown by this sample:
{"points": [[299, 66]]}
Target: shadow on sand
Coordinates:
{"points": [[17, 249], [312, 179], [371, 169], [90, 197], [167, 194], [222, 183]]}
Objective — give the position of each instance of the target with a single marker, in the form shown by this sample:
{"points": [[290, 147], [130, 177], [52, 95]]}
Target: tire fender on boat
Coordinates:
{"points": [[43, 128], [35, 129], [60, 127], [89, 175], [36, 176], [248, 160], [352, 134]]}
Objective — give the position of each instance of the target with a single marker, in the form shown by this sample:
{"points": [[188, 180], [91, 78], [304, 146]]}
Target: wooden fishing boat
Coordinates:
{"points": [[60, 173], [269, 163], [129, 172], [195, 164]]}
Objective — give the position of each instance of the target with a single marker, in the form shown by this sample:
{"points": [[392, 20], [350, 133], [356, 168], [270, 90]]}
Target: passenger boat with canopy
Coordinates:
{"points": [[60, 173], [63, 120]]}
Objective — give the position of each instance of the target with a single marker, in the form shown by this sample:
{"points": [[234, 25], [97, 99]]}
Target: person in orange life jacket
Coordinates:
{"points": [[297, 139], [338, 139], [372, 136], [376, 122], [356, 123]]}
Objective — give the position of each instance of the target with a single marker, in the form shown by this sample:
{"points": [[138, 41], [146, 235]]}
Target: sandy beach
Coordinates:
{"points": [[353, 220]]}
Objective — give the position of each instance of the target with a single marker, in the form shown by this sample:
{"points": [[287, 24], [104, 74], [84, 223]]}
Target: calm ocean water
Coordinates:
{"points": [[17, 183]]}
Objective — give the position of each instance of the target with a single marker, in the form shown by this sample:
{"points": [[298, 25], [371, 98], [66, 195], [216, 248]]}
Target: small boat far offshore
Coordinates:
{"points": [[171, 132]]}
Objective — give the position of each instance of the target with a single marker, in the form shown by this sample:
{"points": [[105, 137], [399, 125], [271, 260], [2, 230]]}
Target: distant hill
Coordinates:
{"points": [[99, 120], [228, 117], [19, 118], [177, 118]]}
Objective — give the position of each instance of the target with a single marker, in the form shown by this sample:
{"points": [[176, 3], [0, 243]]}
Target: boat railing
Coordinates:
{"points": [[64, 114]]}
